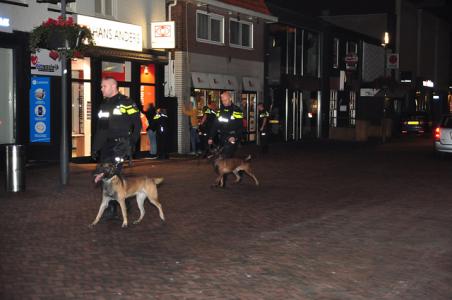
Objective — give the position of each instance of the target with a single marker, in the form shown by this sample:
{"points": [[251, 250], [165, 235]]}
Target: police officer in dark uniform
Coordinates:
{"points": [[161, 127], [118, 129], [262, 123], [207, 121], [228, 124]]}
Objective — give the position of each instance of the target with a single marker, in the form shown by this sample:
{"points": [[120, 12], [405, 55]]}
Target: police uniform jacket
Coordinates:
{"points": [[228, 122], [160, 124], [118, 117], [261, 117]]}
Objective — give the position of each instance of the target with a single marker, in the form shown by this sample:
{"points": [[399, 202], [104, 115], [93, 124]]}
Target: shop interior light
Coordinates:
{"points": [[146, 70], [436, 97]]}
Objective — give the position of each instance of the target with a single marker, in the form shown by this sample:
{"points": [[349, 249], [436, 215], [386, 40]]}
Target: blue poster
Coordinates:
{"points": [[40, 110]]}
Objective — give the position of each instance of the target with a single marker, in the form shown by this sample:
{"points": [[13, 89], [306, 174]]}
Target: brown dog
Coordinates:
{"points": [[117, 187], [225, 166]]}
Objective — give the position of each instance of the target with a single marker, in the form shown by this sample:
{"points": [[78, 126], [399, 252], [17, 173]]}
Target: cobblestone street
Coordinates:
{"points": [[329, 221]]}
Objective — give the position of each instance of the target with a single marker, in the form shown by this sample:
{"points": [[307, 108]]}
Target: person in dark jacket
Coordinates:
{"points": [[228, 124], [152, 135], [161, 126], [117, 131], [262, 124], [206, 124]]}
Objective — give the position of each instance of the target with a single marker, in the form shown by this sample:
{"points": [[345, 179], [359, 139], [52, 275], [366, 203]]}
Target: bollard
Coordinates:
{"points": [[15, 168]]}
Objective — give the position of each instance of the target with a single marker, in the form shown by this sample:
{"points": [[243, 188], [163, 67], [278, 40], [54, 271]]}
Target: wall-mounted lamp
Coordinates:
{"points": [[385, 39]]}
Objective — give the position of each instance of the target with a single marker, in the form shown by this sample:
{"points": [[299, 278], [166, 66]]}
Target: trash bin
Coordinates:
{"points": [[15, 168]]}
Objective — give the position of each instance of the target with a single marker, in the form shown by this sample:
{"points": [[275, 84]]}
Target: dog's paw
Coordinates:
{"points": [[124, 225], [91, 226]]}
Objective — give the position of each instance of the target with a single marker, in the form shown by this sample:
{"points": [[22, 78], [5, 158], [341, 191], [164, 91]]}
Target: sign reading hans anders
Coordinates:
{"points": [[112, 34]]}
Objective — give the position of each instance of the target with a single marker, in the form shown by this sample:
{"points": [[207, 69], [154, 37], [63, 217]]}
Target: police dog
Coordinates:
{"points": [[117, 187], [224, 166]]}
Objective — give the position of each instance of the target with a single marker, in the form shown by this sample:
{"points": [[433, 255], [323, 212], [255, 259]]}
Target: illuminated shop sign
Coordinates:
{"points": [[428, 83], [5, 24], [112, 34], [163, 35]]}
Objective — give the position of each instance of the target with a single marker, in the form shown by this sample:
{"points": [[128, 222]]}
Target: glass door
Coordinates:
{"points": [[7, 101], [249, 107], [81, 107]]}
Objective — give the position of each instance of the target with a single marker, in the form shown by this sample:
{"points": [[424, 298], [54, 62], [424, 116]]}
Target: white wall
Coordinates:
{"points": [[138, 12]]}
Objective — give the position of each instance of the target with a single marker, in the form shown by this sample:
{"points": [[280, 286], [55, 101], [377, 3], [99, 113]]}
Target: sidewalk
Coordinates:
{"points": [[332, 222]]}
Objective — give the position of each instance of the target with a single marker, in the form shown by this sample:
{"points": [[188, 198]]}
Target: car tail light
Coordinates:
{"points": [[437, 133]]}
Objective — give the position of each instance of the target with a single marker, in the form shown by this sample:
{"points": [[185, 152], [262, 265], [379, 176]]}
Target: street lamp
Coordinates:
{"points": [[64, 146]]}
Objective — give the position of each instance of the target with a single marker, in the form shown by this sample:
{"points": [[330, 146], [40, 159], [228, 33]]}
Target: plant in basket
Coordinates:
{"points": [[63, 36]]}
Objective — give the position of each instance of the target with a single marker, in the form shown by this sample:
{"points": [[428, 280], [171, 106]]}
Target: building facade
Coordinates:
{"points": [[219, 46], [122, 35]]}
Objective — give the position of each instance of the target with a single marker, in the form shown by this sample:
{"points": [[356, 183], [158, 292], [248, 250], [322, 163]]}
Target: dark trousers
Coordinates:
{"points": [[162, 145], [229, 149], [264, 141]]}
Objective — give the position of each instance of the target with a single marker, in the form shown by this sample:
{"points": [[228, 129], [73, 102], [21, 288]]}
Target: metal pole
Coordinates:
{"points": [[64, 147]]}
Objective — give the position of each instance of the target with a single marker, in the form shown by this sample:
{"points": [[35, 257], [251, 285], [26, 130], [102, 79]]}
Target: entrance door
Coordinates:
{"points": [[302, 115], [7, 103], [294, 116], [249, 107], [81, 107]]}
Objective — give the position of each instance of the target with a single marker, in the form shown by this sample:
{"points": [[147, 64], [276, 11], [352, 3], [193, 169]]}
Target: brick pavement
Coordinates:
{"points": [[329, 221]]}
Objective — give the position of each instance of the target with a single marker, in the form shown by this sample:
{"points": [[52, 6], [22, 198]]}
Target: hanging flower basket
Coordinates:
{"points": [[63, 36]]}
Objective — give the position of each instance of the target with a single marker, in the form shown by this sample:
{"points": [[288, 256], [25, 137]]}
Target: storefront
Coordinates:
{"points": [[13, 82], [139, 73]]}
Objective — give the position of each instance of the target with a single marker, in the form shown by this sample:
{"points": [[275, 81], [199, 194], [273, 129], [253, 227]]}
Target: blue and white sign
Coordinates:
{"points": [[40, 110]]}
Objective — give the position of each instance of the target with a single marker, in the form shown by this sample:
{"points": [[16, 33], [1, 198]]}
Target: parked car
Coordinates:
{"points": [[417, 123], [443, 135]]}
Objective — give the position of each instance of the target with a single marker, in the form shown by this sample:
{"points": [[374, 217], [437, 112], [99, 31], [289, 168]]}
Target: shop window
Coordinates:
{"points": [[81, 68], [291, 31], [351, 47], [209, 27], [147, 98], [241, 34], [147, 73], [7, 102], [105, 7], [119, 71], [336, 53], [311, 54], [299, 51], [333, 108]]}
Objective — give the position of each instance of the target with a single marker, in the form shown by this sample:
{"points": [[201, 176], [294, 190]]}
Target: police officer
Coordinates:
{"points": [[228, 124], [161, 126], [207, 121], [262, 123], [118, 129]]}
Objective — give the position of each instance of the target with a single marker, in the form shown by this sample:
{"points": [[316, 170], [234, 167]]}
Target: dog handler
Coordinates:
{"points": [[118, 129], [229, 125]]}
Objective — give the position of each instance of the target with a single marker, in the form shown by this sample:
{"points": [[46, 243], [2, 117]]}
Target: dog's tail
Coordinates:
{"points": [[158, 180], [248, 158]]}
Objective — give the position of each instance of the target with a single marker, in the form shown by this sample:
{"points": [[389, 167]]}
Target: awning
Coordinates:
{"points": [[230, 83], [200, 80], [251, 84], [216, 81]]}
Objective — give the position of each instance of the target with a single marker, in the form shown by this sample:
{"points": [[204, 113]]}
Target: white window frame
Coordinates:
{"points": [[240, 34], [70, 7], [211, 16], [114, 10]]}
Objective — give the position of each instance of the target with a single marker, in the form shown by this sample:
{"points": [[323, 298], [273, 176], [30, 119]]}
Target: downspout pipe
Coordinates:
{"points": [[170, 6]]}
